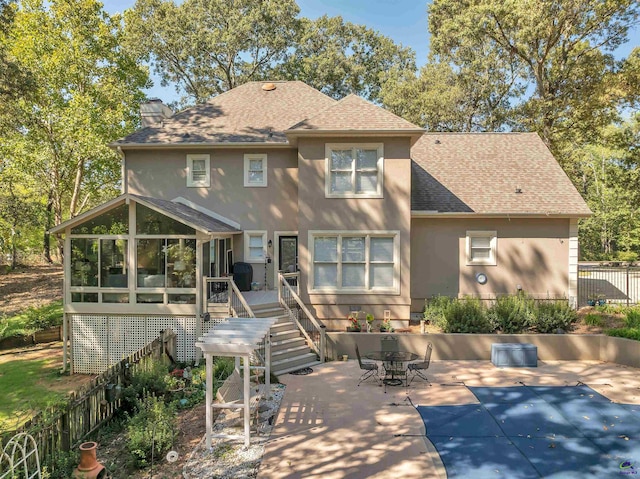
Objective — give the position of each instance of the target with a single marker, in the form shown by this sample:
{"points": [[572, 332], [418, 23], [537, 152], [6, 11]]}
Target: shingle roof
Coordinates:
{"points": [[479, 173], [353, 113], [189, 215], [246, 113]]}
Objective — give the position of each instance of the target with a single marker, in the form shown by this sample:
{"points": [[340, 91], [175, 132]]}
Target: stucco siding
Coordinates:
{"points": [[531, 253], [390, 213], [162, 174]]}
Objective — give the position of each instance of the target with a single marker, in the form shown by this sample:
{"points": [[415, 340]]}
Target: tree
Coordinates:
{"points": [[206, 47], [559, 50], [338, 58], [610, 184], [442, 99], [86, 94], [14, 81]]}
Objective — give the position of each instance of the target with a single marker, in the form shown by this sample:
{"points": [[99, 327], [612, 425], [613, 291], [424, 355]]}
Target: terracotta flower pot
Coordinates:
{"points": [[89, 467]]}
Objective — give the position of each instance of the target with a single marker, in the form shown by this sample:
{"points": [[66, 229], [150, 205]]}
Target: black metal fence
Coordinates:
{"points": [[608, 283]]}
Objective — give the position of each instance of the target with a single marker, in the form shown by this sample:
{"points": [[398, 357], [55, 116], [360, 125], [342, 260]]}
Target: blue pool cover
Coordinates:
{"points": [[522, 432]]}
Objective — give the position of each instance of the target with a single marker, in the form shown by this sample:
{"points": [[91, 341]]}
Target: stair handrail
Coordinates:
{"points": [[283, 284], [241, 297]]}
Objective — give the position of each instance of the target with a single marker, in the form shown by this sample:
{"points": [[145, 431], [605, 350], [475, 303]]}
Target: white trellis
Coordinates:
{"points": [[238, 338], [20, 456]]}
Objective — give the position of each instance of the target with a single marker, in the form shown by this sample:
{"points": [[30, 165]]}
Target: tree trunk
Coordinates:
{"points": [[46, 244]]}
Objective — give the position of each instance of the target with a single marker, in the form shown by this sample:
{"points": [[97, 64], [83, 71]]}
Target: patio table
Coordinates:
{"points": [[396, 360]]}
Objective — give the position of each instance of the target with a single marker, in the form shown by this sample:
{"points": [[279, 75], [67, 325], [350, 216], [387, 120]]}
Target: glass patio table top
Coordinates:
{"points": [[392, 356]]}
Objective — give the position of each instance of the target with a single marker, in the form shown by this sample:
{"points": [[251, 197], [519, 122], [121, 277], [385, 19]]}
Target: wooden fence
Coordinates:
{"points": [[61, 428]]}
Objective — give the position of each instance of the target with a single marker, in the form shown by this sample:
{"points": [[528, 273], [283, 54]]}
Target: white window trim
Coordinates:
{"points": [[492, 260], [344, 146], [206, 183], [247, 236], [395, 289], [247, 162]]}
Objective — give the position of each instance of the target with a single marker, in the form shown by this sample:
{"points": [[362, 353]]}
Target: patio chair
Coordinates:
{"points": [[389, 344], [418, 368], [370, 369]]}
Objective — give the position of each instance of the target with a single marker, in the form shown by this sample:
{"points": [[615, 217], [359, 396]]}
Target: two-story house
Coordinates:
{"points": [[368, 210]]}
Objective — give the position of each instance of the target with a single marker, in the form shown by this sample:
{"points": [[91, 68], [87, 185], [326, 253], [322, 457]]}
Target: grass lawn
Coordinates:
{"points": [[28, 385]]}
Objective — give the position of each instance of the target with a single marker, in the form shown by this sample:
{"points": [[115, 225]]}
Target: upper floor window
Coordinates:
{"points": [[198, 170], [481, 247], [354, 170], [255, 170]]}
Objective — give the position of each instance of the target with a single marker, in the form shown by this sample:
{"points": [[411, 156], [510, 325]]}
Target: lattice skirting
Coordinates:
{"points": [[99, 341]]}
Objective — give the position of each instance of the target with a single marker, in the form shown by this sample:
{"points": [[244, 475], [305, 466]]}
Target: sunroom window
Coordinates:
{"points": [[165, 259]]}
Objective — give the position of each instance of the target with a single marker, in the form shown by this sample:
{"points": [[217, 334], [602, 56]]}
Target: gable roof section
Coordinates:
{"points": [[245, 114], [354, 114], [178, 211], [480, 172]]}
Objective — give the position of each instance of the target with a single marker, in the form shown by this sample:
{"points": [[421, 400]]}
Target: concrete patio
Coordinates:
{"points": [[328, 427]]}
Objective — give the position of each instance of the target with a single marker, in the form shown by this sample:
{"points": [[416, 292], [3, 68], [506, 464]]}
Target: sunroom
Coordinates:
{"points": [[133, 267]]}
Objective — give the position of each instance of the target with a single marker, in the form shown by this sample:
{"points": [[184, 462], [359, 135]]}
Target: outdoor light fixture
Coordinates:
{"points": [[269, 243]]}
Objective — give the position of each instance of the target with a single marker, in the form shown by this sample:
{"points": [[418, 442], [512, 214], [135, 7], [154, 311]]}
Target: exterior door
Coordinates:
{"points": [[288, 254]]}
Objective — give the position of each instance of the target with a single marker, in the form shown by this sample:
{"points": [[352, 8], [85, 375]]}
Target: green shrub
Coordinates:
{"points": [[629, 256], [150, 377], [629, 333], [60, 465], [593, 320], [550, 316], [152, 428], [44, 317], [434, 311], [466, 315], [512, 314], [632, 319]]}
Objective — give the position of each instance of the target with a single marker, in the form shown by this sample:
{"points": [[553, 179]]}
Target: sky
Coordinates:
{"points": [[404, 21]]}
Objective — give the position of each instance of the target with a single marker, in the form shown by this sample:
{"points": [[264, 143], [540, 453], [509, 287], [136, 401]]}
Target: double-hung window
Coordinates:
{"points": [[255, 170], [198, 171], [355, 262], [481, 247], [255, 246], [354, 170]]}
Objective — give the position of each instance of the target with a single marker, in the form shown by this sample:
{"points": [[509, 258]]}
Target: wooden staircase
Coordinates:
{"points": [[289, 349]]}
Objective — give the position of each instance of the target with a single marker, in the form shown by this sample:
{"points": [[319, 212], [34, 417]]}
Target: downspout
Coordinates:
{"points": [[123, 170]]}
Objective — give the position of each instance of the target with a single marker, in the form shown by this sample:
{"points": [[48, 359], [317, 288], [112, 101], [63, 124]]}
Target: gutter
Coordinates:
{"points": [[470, 215]]}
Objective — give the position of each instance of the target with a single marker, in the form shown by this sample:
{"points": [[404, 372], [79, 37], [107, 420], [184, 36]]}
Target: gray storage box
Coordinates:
{"points": [[506, 355]]}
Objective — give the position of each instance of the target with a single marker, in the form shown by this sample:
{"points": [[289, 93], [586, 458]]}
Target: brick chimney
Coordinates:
{"points": [[153, 112]]}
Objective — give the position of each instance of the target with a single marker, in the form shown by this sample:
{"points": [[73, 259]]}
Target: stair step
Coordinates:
{"points": [[277, 336], [268, 313], [260, 307], [292, 364], [283, 326], [295, 366], [288, 343], [290, 352]]}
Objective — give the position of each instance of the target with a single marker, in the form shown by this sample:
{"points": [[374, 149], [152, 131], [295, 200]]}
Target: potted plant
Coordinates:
{"points": [[369, 318], [354, 324], [592, 299], [602, 299], [385, 326]]}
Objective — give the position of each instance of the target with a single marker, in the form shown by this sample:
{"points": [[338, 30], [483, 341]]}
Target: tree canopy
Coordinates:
{"points": [[86, 92], [206, 47]]}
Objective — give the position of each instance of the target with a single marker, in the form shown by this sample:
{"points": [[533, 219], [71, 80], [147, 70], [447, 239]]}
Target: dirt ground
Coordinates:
{"points": [[32, 286], [112, 451]]}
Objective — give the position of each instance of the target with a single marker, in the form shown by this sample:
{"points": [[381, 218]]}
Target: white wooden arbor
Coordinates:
{"points": [[238, 338]]}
